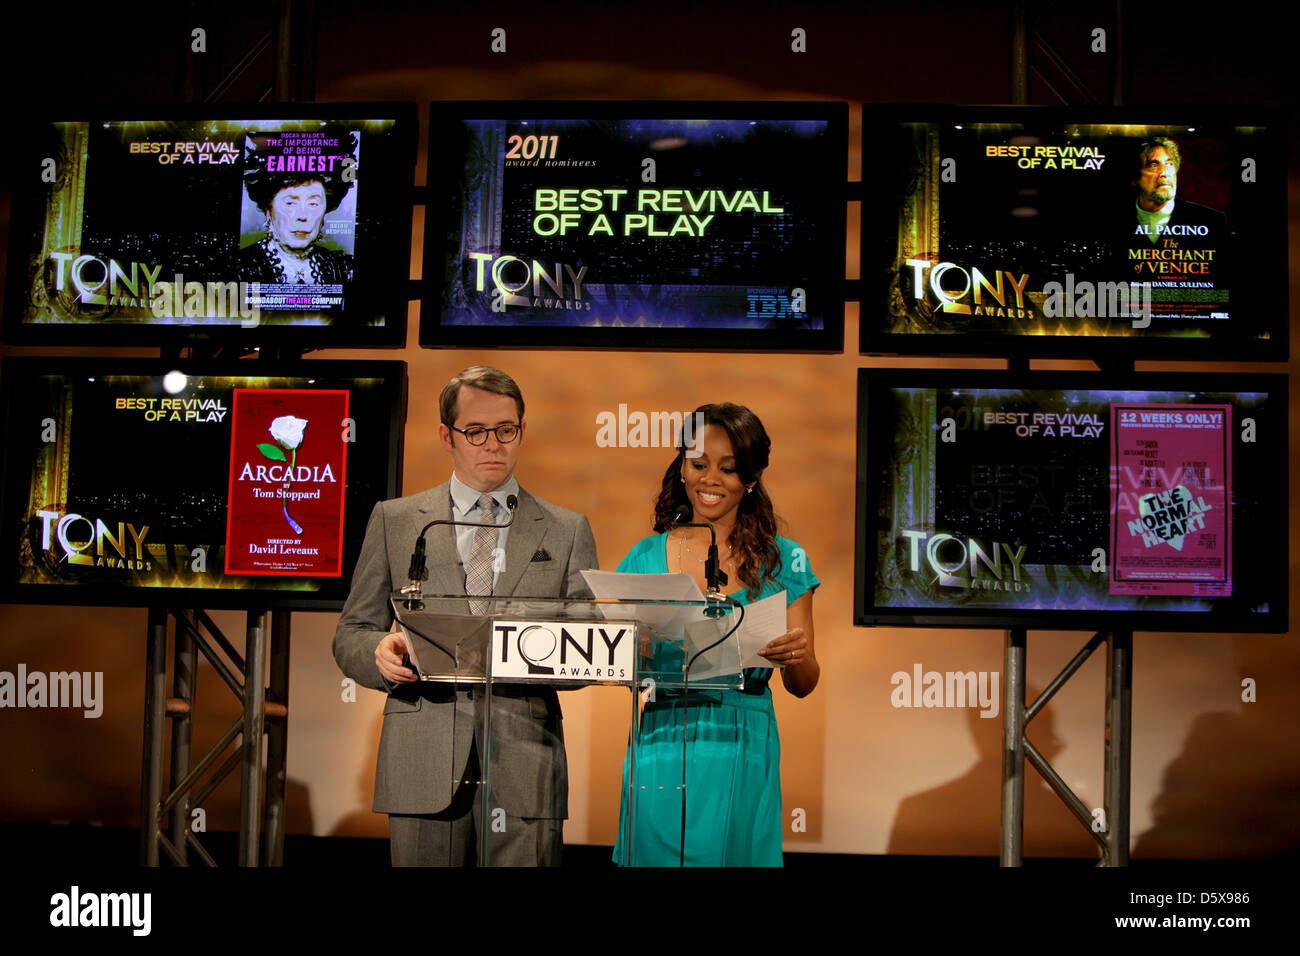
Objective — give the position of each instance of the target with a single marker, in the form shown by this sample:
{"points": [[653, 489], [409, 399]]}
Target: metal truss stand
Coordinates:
{"points": [[265, 709], [1112, 832], [1032, 54], [265, 712]]}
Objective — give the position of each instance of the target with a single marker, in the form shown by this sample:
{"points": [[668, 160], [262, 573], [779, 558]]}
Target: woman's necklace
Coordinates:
{"points": [[684, 548], [297, 269]]}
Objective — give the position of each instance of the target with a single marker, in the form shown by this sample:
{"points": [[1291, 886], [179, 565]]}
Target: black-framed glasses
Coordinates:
{"points": [[477, 434]]}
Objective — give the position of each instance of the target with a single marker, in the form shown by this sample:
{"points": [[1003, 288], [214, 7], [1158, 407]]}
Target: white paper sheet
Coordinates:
{"points": [[764, 622], [644, 587], [668, 620], [722, 660]]}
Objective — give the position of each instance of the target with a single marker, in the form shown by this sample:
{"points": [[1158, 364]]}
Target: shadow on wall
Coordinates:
{"points": [[1219, 801], [963, 817], [364, 822], [1221, 798]]}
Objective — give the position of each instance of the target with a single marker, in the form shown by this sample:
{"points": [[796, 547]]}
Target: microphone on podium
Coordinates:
{"points": [[714, 576], [418, 570]]}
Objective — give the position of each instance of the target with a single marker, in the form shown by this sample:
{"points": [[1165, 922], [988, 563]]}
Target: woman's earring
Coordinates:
{"points": [[683, 478], [749, 489]]}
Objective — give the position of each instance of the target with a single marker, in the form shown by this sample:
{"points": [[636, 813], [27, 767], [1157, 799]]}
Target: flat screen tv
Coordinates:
{"points": [[716, 226], [251, 225], [1062, 500], [245, 484], [1095, 233]]}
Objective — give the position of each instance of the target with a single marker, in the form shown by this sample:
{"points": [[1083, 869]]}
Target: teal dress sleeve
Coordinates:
{"points": [[796, 574]]}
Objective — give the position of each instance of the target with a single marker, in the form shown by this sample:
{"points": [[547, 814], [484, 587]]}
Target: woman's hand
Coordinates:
{"points": [[793, 651], [788, 649]]}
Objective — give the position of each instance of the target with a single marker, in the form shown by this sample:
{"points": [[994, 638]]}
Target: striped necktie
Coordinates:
{"points": [[482, 556]]}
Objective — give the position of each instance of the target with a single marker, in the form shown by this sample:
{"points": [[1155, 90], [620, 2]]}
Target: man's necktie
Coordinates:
{"points": [[482, 556]]}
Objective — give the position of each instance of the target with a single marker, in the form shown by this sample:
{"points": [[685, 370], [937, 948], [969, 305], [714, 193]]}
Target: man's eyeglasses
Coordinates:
{"points": [[477, 434]]}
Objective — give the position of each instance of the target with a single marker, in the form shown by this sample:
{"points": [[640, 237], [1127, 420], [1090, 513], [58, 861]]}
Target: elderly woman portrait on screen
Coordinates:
{"points": [[294, 202]]}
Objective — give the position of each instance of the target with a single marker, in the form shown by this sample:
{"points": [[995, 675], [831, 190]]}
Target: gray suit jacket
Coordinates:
{"points": [[424, 745]]}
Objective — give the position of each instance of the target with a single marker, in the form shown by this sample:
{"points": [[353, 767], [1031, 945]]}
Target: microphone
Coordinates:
{"points": [[418, 570], [714, 576]]}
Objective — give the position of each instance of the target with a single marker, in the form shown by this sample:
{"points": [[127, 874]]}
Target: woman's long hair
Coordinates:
{"points": [[753, 539]]}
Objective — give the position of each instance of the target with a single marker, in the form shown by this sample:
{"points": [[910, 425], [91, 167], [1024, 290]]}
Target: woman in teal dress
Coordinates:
{"points": [[733, 753]]}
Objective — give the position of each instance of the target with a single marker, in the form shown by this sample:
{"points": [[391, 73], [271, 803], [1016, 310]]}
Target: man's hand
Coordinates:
{"points": [[388, 658]]}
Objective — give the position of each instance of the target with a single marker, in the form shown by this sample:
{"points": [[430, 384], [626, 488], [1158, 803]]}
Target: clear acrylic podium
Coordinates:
{"points": [[651, 647]]}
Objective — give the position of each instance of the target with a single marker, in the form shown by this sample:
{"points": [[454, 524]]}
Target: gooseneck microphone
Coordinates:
{"points": [[683, 513], [714, 576], [717, 602], [419, 571]]}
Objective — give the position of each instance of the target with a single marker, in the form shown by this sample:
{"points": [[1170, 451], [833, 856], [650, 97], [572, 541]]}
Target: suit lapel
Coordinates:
{"points": [[446, 576], [525, 535]]}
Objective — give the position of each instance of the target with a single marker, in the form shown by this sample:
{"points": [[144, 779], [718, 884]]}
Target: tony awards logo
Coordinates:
{"points": [[975, 295], [967, 563], [91, 542], [512, 277]]}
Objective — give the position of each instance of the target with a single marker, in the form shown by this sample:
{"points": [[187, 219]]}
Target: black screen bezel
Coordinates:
{"points": [[878, 214], [334, 592], [394, 198], [433, 334], [866, 613]]}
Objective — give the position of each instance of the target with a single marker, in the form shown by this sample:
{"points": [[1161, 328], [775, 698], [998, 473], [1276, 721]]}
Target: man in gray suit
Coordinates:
{"points": [[428, 755]]}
